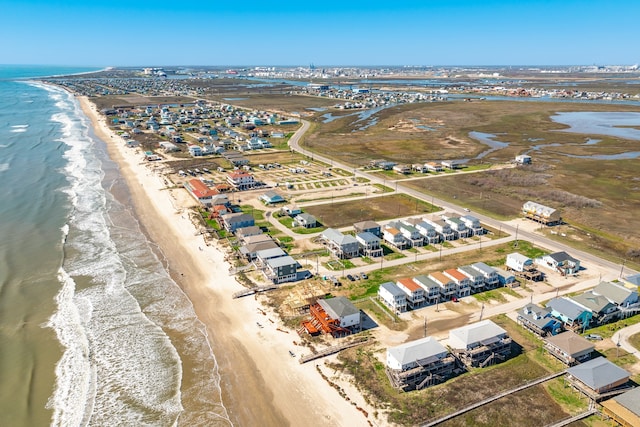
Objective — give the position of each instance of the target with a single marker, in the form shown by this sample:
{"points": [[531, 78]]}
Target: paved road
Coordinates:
{"points": [[622, 337], [612, 269]]}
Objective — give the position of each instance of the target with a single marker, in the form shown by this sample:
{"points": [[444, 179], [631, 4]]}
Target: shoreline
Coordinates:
{"points": [[260, 382]]}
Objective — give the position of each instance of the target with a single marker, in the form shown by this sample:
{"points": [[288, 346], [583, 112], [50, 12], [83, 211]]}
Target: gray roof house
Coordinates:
{"points": [[244, 232], [393, 297], [538, 320], [569, 347], [369, 244], [480, 344], [561, 262], [617, 294], [234, 221], [597, 376], [473, 224], [490, 275], [342, 245], [250, 250], [304, 220], [428, 231], [418, 364], [281, 269], [430, 286], [340, 308], [476, 277], [370, 226], [569, 312], [624, 409], [603, 311], [266, 254]]}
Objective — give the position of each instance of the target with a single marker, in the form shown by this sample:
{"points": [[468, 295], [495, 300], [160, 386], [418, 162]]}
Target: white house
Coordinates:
{"points": [[393, 297]]}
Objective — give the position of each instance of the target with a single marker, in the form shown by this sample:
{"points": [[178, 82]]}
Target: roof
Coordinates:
{"points": [[271, 253], [562, 256], [539, 316], [306, 217], [408, 283], [237, 217], [392, 288], [483, 268], [595, 303], [570, 343], [338, 307], [468, 270], [200, 190], [426, 281], [630, 400], [366, 225], [519, 258], [424, 350], [455, 274], [598, 373], [633, 279], [440, 277], [391, 230], [272, 196], [250, 248], [566, 307], [367, 236], [337, 237], [613, 292], [281, 261], [477, 332]]}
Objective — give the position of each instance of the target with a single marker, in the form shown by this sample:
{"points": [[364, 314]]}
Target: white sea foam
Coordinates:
{"points": [[19, 126], [102, 327], [18, 130], [4, 167]]}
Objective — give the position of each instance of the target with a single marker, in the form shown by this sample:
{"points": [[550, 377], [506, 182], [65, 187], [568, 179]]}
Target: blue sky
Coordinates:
{"points": [[328, 32]]}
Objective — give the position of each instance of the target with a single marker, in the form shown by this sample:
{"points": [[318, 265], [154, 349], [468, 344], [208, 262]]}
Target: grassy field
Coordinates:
{"points": [[373, 208]]}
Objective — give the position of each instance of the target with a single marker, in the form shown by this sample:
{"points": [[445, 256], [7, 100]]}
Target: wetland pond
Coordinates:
{"points": [[617, 124]]}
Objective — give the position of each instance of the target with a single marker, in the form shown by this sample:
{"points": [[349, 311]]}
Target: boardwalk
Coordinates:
{"points": [[331, 350], [492, 398]]}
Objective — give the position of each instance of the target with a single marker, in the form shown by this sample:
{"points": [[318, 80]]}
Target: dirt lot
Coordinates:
{"points": [[374, 208]]}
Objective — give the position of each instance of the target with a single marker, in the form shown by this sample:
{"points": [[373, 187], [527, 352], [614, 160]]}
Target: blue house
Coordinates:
{"points": [[539, 320], [569, 312]]}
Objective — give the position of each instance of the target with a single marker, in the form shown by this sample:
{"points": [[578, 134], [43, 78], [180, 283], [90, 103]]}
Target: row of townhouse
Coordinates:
{"points": [[416, 232], [605, 303], [439, 286]]}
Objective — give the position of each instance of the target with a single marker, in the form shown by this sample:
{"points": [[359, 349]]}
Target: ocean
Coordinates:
{"points": [[93, 330]]}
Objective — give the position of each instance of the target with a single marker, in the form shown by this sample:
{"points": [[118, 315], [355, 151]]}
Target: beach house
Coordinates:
{"points": [[341, 245], [538, 320], [480, 344], [431, 288], [393, 297], [418, 364], [414, 292], [569, 347]]}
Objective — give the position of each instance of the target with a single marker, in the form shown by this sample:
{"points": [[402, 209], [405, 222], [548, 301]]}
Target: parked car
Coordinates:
{"points": [[594, 337], [350, 277], [363, 276]]}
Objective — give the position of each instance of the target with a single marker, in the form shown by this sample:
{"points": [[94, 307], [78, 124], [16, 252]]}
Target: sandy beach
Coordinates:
{"points": [[261, 383]]}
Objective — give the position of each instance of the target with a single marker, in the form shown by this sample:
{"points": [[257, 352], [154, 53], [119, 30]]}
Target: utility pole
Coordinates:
{"points": [[622, 269], [425, 326], [516, 245], [481, 312]]}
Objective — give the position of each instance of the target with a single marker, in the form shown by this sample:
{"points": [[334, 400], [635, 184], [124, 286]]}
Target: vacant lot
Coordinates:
{"points": [[342, 214]]}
